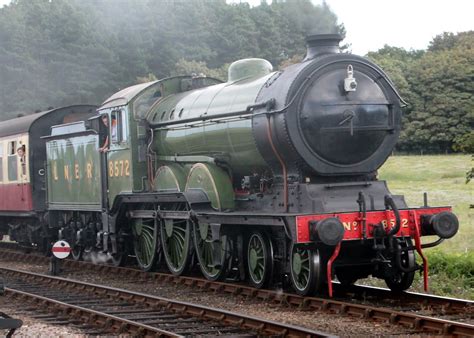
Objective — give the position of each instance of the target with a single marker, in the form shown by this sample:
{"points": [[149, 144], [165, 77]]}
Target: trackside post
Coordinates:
{"points": [[61, 250]]}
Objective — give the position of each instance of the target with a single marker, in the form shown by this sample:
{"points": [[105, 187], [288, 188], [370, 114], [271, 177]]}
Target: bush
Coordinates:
{"points": [[451, 274], [464, 143]]}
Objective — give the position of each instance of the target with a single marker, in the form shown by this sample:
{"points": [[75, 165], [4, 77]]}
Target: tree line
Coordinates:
{"points": [[58, 52], [438, 85], [61, 52]]}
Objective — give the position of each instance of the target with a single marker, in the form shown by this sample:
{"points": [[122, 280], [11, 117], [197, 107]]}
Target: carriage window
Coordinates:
{"points": [[1, 162], [12, 148], [12, 161], [21, 152]]}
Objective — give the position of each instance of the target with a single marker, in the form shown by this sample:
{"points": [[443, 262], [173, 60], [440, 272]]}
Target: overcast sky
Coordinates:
{"points": [[370, 24], [403, 23]]}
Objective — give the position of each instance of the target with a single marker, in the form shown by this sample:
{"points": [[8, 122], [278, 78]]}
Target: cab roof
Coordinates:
{"points": [[124, 96]]}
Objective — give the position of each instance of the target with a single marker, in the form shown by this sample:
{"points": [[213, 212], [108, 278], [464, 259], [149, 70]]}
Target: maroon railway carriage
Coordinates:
{"points": [[22, 172]]}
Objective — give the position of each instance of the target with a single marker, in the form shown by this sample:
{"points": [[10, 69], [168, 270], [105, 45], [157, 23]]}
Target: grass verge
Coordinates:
{"points": [[443, 177]]}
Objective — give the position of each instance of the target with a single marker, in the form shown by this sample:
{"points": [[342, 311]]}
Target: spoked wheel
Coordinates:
{"points": [[145, 243], [260, 259], [176, 242], [204, 251], [398, 280], [306, 269], [77, 252]]}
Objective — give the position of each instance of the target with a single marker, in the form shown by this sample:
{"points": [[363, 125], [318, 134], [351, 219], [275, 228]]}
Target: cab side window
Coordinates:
{"points": [[12, 161], [118, 132]]}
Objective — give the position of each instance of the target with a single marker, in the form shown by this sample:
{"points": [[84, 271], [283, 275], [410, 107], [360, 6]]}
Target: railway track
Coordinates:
{"points": [[405, 309], [122, 311]]}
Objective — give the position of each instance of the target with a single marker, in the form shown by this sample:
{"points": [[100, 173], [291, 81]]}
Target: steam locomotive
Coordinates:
{"points": [[270, 177]]}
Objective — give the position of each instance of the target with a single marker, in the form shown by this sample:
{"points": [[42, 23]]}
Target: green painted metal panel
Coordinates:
{"points": [[215, 182], [232, 139], [74, 173], [246, 68], [171, 177], [119, 173]]}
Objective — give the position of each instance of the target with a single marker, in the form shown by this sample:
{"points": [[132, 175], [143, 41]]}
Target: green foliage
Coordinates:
{"points": [[454, 264], [185, 67], [438, 85], [147, 78], [464, 143], [291, 61], [52, 53], [453, 272], [470, 176], [63, 52]]}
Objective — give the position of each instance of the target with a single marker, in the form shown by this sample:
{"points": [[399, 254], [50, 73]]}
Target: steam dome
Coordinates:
{"points": [[244, 68]]}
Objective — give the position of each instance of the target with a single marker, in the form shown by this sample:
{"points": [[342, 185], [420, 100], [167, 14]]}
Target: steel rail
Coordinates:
{"points": [[407, 319], [448, 304], [246, 324], [94, 317]]}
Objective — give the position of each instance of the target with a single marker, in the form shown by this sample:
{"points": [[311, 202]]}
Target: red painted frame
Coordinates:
{"points": [[352, 221], [353, 225]]}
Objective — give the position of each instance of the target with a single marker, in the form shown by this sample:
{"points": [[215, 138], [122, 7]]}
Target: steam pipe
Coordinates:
{"points": [[363, 213], [390, 203], [433, 244], [282, 163]]}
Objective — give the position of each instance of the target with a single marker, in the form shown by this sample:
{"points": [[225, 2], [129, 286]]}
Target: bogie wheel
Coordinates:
{"points": [[146, 243], [306, 268], [398, 280], [204, 246], [259, 259], [176, 242]]}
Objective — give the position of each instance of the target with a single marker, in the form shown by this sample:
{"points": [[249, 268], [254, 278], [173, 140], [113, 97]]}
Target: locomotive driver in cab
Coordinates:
{"points": [[104, 134]]}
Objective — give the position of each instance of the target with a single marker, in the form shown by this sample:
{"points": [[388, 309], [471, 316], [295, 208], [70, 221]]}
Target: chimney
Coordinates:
{"points": [[322, 44]]}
